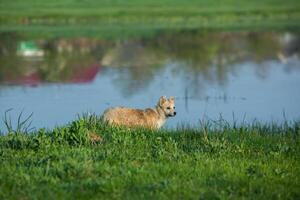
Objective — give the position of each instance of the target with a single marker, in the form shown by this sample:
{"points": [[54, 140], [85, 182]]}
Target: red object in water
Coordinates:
{"points": [[86, 75], [80, 75], [32, 79]]}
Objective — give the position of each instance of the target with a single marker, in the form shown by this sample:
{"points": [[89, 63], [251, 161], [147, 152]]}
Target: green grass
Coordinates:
{"points": [[105, 18], [213, 161]]}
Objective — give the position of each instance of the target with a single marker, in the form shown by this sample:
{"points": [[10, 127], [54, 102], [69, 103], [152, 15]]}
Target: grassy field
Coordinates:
{"points": [[105, 18], [214, 161]]}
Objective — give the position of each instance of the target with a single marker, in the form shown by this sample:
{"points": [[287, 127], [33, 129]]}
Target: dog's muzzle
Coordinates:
{"points": [[172, 115]]}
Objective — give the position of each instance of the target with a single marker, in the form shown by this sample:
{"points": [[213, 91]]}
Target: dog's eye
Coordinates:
{"points": [[174, 107], [168, 108]]}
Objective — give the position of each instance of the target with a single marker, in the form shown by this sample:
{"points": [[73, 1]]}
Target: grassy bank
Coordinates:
{"points": [[212, 162], [117, 18]]}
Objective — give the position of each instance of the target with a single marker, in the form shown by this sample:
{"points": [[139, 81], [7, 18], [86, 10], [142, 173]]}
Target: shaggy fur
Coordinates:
{"points": [[152, 118]]}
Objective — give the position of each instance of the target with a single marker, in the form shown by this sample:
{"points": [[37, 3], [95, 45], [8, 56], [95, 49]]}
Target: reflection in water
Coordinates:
{"points": [[56, 65], [207, 57], [200, 68]]}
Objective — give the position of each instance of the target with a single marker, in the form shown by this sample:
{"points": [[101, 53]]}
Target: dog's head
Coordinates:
{"points": [[167, 105]]}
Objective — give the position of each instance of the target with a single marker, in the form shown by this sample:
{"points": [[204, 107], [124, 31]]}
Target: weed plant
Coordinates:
{"points": [[213, 161]]}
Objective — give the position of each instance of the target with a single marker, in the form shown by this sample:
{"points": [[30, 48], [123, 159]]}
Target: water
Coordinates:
{"points": [[238, 76]]}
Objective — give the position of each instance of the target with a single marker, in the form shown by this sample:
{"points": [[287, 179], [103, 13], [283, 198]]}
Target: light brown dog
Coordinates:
{"points": [[152, 118]]}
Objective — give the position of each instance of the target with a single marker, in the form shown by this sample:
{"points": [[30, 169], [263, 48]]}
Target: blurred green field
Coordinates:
{"points": [[213, 161], [117, 18]]}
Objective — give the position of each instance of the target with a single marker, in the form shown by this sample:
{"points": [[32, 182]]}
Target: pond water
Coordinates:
{"points": [[240, 76]]}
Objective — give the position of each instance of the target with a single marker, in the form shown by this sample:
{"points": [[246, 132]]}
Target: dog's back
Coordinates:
{"points": [[132, 117]]}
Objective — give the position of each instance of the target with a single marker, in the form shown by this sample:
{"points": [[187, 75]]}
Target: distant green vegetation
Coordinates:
{"points": [[212, 55], [214, 161], [132, 17]]}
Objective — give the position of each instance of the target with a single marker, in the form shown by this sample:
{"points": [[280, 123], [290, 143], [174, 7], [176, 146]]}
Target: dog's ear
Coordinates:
{"points": [[162, 100], [172, 99]]}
